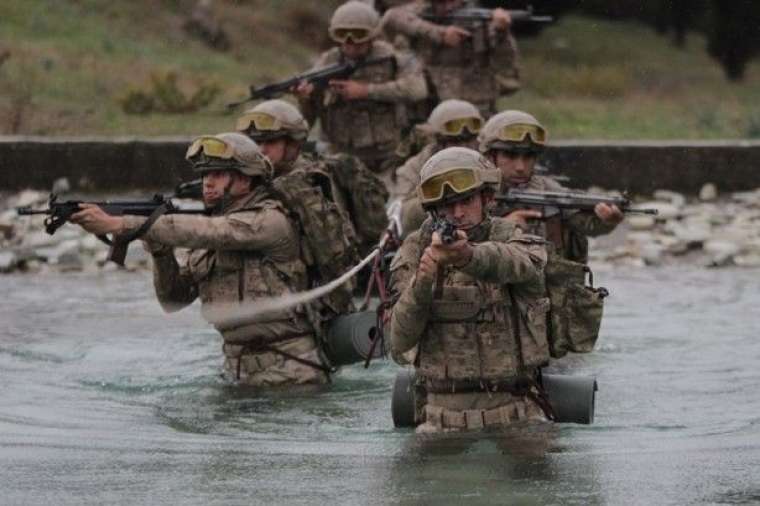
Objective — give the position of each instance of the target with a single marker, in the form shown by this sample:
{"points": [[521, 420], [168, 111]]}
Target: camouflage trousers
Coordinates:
{"points": [[269, 368], [477, 410]]}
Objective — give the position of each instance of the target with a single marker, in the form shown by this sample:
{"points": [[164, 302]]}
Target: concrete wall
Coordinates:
{"points": [[118, 164]]}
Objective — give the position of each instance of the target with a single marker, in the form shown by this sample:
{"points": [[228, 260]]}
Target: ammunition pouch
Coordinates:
{"points": [[576, 308]]}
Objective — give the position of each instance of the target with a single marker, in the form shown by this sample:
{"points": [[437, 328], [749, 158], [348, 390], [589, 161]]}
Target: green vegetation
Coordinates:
{"points": [[73, 63]]}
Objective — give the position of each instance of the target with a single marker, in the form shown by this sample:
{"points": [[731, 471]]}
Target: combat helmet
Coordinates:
{"points": [[514, 131], [229, 151], [273, 119], [354, 20], [455, 119], [453, 174]]}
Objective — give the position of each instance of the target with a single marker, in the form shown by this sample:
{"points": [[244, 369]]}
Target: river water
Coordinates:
{"points": [[105, 400]]}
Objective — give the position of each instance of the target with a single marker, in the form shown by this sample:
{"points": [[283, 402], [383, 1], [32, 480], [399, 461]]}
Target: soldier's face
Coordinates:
{"points": [[274, 149], [465, 213], [516, 168], [445, 7], [355, 50], [217, 182]]}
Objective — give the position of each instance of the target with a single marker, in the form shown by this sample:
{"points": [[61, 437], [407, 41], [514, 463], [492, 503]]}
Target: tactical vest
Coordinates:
{"points": [[481, 331], [577, 306], [365, 127], [231, 277]]}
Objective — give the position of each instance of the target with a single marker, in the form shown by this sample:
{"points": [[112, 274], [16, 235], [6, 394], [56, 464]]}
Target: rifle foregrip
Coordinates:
{"points": [[118, 252]]}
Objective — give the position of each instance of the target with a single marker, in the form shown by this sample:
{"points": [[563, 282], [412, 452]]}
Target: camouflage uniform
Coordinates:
{"points": [[479, 331], [357, 192], [248, 249], [481, 69], [569, 231], [369, 128], [407, 177]]}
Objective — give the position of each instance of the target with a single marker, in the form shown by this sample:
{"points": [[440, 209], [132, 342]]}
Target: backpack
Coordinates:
{"points": [[328, 244]]}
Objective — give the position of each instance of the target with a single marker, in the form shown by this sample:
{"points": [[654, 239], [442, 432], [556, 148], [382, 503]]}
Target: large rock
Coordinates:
{"points": [[8, 261], [709, 192]]}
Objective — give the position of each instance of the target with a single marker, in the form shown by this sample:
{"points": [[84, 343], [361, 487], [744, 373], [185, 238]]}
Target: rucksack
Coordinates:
{"points": [[327, 241]]}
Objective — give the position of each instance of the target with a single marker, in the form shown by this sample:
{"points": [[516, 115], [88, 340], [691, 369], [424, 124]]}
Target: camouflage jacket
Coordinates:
{"points": [[569, 233], [407, 178], [463, 323], [481, 69], [369, 128], [248, 251]]}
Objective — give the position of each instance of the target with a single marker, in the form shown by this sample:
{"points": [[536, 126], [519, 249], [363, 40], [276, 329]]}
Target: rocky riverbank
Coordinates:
{"points": [[711, 230]]}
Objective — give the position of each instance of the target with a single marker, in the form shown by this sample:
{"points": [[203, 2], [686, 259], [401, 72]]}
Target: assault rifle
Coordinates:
{"points": [[445, 229], [319, 78], [480, 14], [58, 213], [552, 202]]}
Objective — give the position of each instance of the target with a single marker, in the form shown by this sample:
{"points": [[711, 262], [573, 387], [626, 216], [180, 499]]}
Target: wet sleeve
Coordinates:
{"points": [[266, 230], [413, 299], [175, 288], [519, 260], [409, 85]]}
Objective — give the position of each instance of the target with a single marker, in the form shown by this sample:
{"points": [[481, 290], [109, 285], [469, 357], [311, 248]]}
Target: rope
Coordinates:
{"points": [[239, 314]]}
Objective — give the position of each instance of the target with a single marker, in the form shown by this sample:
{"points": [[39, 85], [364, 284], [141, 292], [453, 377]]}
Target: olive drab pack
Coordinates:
{"points": [[576, 307], [328, 243]]}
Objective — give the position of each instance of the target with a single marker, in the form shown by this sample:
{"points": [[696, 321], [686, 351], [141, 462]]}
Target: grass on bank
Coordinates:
{"points": [[71, 61]]}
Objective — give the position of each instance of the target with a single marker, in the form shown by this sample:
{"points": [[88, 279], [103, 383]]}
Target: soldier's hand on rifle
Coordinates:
{"points": [[501, 20], [458, 253], [428, 266], [304, 89], [96, 221], [453, 36], [609, 214], [350, 90], [520, 217]]}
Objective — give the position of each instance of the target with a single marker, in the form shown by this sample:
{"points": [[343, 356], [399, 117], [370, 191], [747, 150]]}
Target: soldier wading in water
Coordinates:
{"points": [[247, 248], [470, 315]]}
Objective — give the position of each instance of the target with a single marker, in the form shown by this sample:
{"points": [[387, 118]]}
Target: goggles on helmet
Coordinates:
{"points": [[357, 35], [521, 133], [457, 180], [211, 147], [261, 121], [458, 126]]}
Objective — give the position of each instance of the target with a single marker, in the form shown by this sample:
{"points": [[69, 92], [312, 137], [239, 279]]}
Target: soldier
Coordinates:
{"points": [[452, 123], [245, 249], [513, 140], [280, 130], [474, 62], [472, 311], [366, 114]]}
